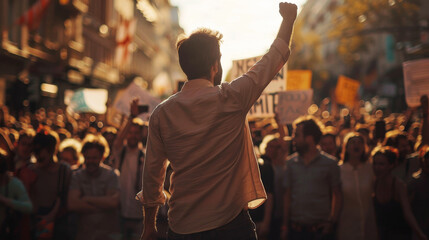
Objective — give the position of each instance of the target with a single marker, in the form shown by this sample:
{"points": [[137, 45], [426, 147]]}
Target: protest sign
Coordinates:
{"points": [[239, 67], [298, 80], [293, 104], [346, 91], [121, 105], [86, 100], [416, 80], [265, 105]]}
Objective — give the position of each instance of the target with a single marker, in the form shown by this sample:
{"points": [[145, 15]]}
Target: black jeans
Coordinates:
{"points": [[241, 228]]}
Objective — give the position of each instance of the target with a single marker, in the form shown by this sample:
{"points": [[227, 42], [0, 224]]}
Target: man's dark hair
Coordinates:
{"points": [[389, 152], [95, 141], [46, 139], [198, 53], [310, 127]]}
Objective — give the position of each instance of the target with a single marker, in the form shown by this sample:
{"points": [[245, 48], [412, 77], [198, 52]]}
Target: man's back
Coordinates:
{"points": [[203, 133]]}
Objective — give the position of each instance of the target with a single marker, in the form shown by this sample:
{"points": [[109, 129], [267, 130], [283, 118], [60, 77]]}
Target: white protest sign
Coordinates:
{"points": [[122, 101], [416, 80], [86, 100], [239, 67], [266, 104], [293, 104]]}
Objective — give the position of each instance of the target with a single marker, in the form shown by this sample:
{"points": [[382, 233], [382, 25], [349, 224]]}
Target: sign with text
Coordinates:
{"points": [[298, 80], [293, 104], [346, 91], [416, 80], [239, 67]]}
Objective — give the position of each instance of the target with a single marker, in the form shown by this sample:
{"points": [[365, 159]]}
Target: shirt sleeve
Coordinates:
{"points": [[335, 178], [21, 201], [154, 167], [249, 87]]}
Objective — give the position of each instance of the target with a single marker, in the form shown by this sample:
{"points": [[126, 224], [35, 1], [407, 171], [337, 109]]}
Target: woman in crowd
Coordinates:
{"points": [[392, 208], [14, 201], [357, 219]]}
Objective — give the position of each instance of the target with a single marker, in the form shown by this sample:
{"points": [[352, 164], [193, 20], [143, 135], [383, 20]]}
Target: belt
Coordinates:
{"points": [[298, 227]]}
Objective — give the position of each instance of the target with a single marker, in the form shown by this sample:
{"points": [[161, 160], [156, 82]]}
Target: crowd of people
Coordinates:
{"points": [[354, 177], [59, 183]]}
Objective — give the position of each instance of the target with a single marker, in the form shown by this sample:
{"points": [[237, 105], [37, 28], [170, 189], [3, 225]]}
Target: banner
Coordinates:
{"points": [[346, 91], [86, 100], [293, 104], [298, 80], [416, 80], [239, 67]]}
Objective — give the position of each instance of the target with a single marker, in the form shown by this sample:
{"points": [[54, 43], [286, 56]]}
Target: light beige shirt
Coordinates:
{"points": [[203, 132], [357, 218]]}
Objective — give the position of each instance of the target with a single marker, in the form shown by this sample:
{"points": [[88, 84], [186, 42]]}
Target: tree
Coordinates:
{"points": [[357, 20]]}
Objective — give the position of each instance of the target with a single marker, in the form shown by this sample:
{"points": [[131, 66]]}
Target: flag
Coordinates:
{"points": [[124, 39], [31, 18]]}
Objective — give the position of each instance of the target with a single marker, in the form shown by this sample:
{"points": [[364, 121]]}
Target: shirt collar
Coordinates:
{"points": [[197, 83]]}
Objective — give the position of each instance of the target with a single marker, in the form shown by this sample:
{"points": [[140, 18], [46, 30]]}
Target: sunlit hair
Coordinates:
{"points": [[267, 139], [393, 137], [347, 138], [138, 123], [28, 132], [390, 153], [310, 127], [72, 145], [109, 130], [95, 141], [198, 52]]}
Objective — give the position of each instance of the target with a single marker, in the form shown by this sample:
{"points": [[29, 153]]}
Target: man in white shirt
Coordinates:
{"points": [[203, 132]]}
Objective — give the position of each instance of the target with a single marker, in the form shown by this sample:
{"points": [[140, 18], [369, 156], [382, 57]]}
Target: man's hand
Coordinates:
{"points": [[288, 11], [134, 107]]}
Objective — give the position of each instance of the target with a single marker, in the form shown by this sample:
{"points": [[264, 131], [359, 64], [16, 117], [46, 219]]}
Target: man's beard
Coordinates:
{"points": [[218, 76], [301, 149]]}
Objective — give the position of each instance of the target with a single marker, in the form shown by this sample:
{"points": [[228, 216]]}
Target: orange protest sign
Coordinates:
{"points": [[298, 80], [346, 90]]}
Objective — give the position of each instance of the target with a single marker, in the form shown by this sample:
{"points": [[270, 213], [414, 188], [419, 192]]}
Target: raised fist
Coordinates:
{"points": [[288, 10]]}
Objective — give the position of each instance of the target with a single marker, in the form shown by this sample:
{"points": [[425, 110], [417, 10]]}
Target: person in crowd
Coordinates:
{"points": [[406, 163], [312, 199], [203, 132], [274, 154], [24, 171], [94, 193], [109, 133], [129, 160], [69, 153], [50, 188], [262, 216], [24, 149], [357, 218], [14, 203], [418, 189], [395, 219], [328, 142]]}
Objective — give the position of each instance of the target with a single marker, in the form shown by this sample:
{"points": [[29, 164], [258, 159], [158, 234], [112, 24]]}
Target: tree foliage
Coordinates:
{"points": [[356, 21]]}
